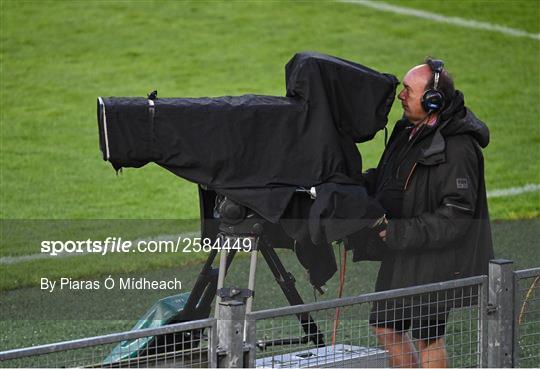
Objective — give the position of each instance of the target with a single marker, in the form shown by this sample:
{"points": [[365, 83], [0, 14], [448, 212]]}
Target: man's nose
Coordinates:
{"points": [[400, 96]]}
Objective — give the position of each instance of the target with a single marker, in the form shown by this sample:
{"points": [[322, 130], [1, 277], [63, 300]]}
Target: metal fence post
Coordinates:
{"points": [[213, 346], [231, 334], [482, 324], [517, 303], [251, 341], [501, 314]]}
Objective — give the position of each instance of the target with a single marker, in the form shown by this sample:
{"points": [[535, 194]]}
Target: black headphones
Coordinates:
{"points": [[433, 99]]}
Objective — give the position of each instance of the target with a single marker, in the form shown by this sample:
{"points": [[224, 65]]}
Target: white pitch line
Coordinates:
{"points": [[513, 191], [461, 22]]}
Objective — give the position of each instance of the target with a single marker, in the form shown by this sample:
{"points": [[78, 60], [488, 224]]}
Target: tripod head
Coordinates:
{"points": [[236, 219]]}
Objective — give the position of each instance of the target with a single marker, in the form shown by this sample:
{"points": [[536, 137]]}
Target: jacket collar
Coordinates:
{"points": [[435, 153]]}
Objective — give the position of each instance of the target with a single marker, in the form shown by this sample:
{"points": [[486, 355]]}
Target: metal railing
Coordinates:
{"points": [[482, 321], [346, 335], [189, 344], [527, 318]]}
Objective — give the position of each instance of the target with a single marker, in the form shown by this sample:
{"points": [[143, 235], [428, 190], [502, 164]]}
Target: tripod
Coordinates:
{"points": [[237, 222]]}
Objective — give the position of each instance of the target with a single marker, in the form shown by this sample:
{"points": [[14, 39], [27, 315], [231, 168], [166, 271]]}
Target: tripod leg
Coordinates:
{"points": [[221, 277], [203, 292], [225, 261], [205, 277], [286, 281], [252, 275], [211, 288]]}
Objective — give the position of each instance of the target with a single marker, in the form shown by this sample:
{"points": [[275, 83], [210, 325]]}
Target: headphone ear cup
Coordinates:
{"points": [[432, 101]]}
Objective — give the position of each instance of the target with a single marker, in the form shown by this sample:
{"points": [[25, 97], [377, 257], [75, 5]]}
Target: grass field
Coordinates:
{"points": [[58, 56]]}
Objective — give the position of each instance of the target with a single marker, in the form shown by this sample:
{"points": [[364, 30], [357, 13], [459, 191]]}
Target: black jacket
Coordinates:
{"points": [[433, 188]]}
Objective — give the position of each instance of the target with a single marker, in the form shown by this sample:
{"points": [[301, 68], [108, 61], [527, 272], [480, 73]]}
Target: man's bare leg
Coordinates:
{"points": [[432, 354], [400, 348]]}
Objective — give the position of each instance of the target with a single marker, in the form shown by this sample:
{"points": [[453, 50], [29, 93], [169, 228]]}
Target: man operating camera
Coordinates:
{"points": [[430, 180]]}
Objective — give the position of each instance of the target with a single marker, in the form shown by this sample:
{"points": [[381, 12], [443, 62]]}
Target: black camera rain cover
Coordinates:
{"points": [[274, 144], [259, 149]]}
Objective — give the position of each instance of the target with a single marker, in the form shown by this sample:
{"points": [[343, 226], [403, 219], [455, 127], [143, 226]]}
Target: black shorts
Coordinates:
{"points": [[424, 325]]}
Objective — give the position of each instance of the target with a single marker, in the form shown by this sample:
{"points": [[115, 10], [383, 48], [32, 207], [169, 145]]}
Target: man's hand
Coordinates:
{"points": [[380, 225], [382, 234]]}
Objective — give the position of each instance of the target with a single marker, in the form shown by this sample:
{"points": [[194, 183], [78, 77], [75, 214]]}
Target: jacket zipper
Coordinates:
{"points": [[409, 177], [458, 207]]}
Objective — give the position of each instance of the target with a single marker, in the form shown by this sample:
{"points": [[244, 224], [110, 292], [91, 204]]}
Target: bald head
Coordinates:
{"points": [[420, 74], [414, 86]]}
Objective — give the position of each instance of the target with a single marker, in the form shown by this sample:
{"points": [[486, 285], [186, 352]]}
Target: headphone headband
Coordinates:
{"points": [[436, 66], [433, 99]]}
